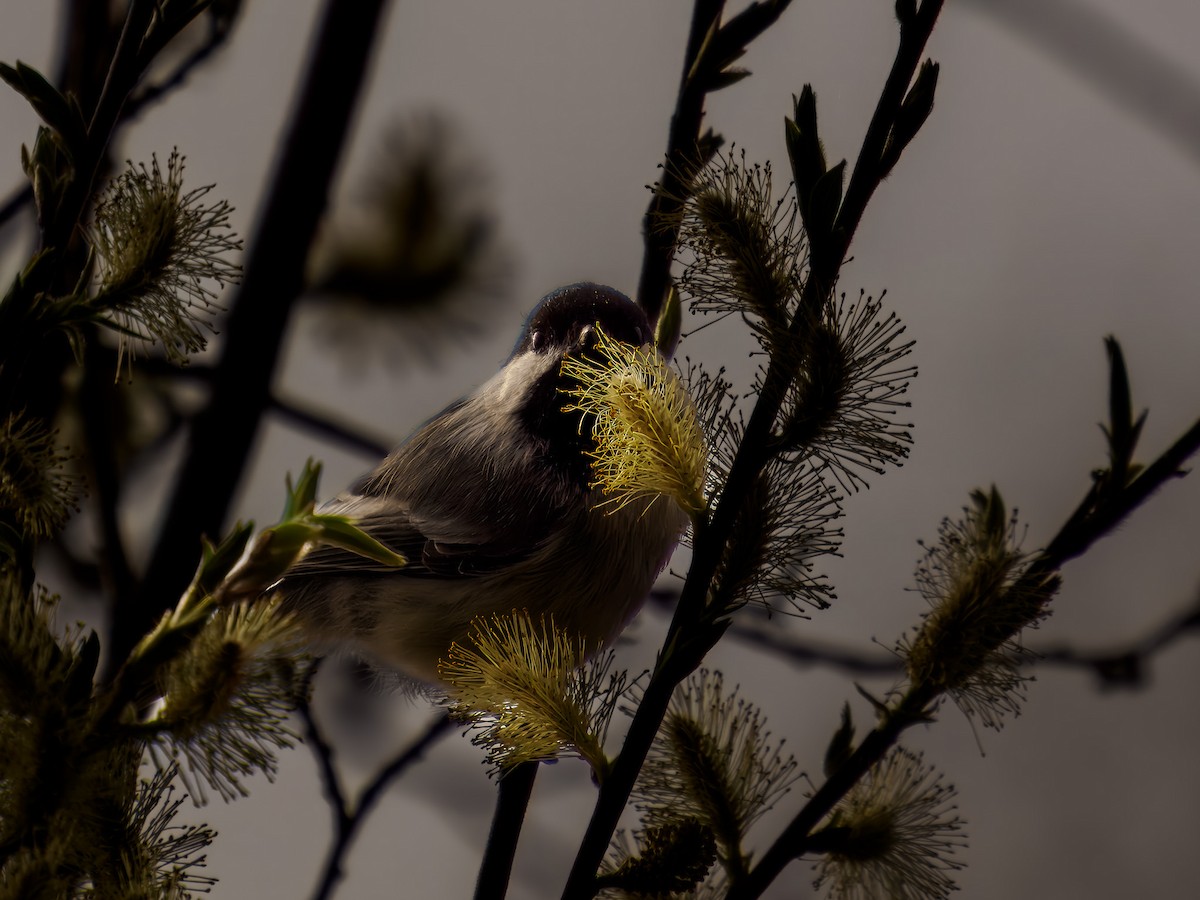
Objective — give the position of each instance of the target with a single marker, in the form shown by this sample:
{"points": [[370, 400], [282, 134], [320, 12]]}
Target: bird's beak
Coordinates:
{"points": [[588, 338]]}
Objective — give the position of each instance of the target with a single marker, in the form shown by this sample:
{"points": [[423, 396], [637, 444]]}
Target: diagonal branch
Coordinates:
{"points": [[918, 702], [347, 821], [684, 141], [328, 427], [511, 802], [223, 434], [692, 634]]}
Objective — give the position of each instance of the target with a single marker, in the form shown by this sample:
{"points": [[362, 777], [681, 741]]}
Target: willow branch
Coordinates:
{"points": [[325, 426], [223, 433], [691, 633], [512, 799], [659, 232], [347, 821], [918, 703]]}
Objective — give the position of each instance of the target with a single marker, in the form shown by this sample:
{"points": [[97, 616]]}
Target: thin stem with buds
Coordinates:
{"points": [[692, 633]]}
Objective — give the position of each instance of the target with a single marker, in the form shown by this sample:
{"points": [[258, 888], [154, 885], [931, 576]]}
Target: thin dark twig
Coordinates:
{"points": [[814, 653], [659, 231], [867, 174], [321, 749], [1095, 517], [152, 93], [792, 841], [512, 799], [1123, 665], [346, 822], [326, 426], [438, 727], [681, 145]]}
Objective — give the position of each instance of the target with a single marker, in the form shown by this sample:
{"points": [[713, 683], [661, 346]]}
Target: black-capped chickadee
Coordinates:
{"points": [[490, 503]]}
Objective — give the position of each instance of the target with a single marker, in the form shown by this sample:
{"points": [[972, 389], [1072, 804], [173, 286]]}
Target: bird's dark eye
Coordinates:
{"points": [[537, 341]]}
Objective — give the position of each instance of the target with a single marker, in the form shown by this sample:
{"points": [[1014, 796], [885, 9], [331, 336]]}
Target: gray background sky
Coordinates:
{"points": [[1038, 211]]}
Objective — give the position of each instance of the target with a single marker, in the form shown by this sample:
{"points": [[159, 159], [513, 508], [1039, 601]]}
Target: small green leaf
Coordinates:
{"points": [[804, 148], [825, 202], [288, 539], [1122, 431], [841, 745], [50, 169], [707, 146], [301, 498], [56, 110], [339, 531], [270, 554], [670, 323], [913, 112], [993, 517], [217, 560], [701, 61], [881, 708], [725, 78]]}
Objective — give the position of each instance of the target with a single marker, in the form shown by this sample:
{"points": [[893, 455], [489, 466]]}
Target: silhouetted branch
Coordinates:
{"points": [[325, 426], [691, 635], [512, 799], [1123, 665], [218, 32], [817, 653], [1102, 510], [681, 147], [685, 147], [223, 433], [346, 822]]}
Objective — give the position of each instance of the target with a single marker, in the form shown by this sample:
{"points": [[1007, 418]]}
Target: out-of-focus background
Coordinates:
{"points": [[1053, 198]]}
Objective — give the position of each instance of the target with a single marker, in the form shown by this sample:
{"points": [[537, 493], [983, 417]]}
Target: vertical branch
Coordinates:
{"points": [[511, 802], [691, 634], [123, 75], [223, 434], [98, 398], [87, 37], [791, 843], [681, 144], [914, 35], [711, 45], [346, 822]]}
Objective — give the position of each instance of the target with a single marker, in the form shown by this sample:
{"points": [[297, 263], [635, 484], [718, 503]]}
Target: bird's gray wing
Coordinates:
{"points": [[423, 542], [451, 509]]}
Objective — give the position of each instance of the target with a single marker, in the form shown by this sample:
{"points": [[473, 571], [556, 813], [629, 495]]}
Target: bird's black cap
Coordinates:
{"points": [[561, 314]]}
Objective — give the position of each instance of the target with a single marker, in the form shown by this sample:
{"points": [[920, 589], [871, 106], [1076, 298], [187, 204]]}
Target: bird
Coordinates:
{"points": [[492, 503]]}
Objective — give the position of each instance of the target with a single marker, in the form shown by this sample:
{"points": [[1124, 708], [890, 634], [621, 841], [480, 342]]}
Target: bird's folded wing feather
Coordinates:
{"points": [[433, 547]]}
